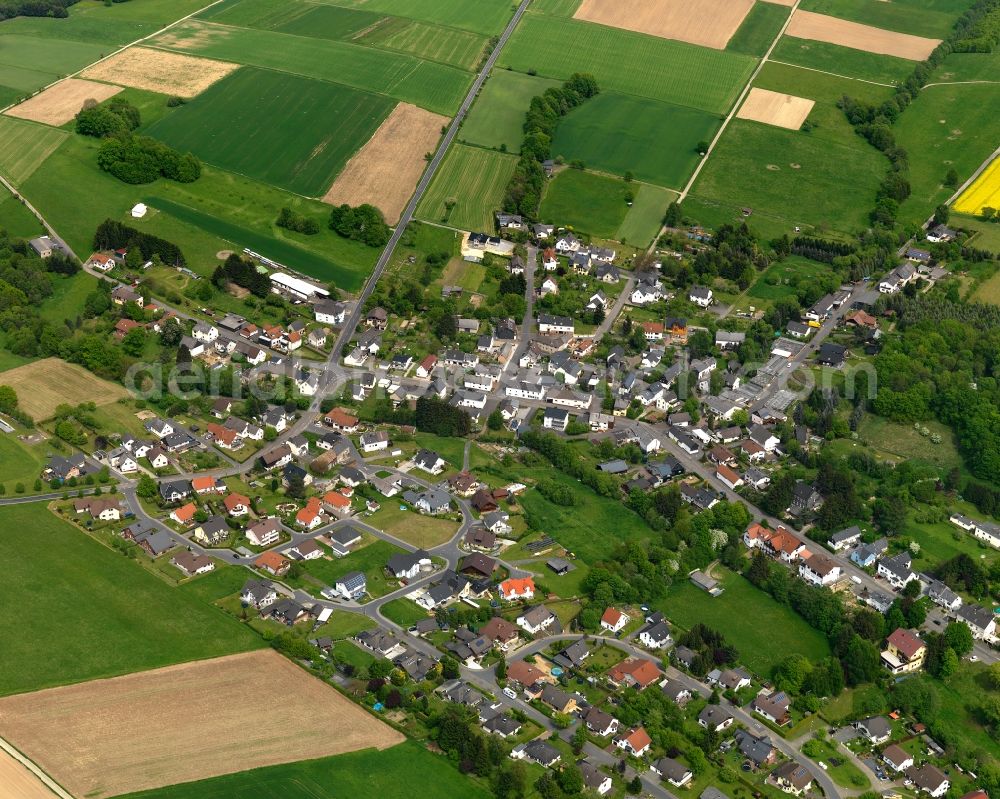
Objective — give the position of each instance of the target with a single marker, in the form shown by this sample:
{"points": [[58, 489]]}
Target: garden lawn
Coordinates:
{"points": [[903, 441], [475, 180], [414, 528], [497, 118], [450, 448], [588, 202], [313, 127], [68, 297], [942, 541], [842, 60], [389, 774], [20, 462], [769, 170], [763, 631], [781, 278], [591, 528], [92, 613], [617, 133], [404, 612], [759, 29], [627, 62], [369, 559]]}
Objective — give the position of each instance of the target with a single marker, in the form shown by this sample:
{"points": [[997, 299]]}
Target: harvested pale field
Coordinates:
{"points": [[188, 722], [823, 28], [774, 108], [58, 104], [786, 3], [17, 782], [709, 23], [160, 71], [43, 385], [385, 171]]}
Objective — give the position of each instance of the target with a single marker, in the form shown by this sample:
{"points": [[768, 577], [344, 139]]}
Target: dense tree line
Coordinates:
{"points": [[242, 272], [364, 223], [296, 222], [524, 191], [35, 8], [434, 415], [140, 159], [113, 235], [113, 118], [711, 649]]}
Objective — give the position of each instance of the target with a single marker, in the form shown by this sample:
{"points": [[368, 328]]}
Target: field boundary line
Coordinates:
{"points": [[29, 764], [121, 49], [837, 75], [960, 83]]}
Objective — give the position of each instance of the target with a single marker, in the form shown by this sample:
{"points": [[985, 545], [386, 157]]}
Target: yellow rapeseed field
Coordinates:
{"points": [[983, 193]]}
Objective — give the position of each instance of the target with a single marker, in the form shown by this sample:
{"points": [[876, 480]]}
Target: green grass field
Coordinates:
{"points": [[15, 218], [969, 66], [68, 297], [952, 127], [904, 442], [759, 29], [457, 48], [20, 462], [214, 213], [628, 62], [313, 127], [370, 560], [497, 118], [769, 169], [777, 630], [292, 16], [390, 774], [24, 146], [414, 528], [620, 133], [585, 201], [89, 612], [931, 18], [987, 237], [482, 16], [645, 217], [48, 59], [842, 60], [827, 120], [780, 278], [436, 87], [404, 612], [475, 179]]}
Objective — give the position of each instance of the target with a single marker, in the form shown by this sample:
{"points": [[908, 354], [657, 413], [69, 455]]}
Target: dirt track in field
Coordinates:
{"points": [[385, 171], [774, 108], [183, 723], [823, 28], [709, 23], [58, 104], [160, 71]]}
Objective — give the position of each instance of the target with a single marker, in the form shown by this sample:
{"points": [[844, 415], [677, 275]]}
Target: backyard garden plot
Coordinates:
{"points": [[774, 108], [468, 189], [983, 193], [24, 147], [185, 722], [823, 28], [312, 127], [627, 62], [385, 171], [159, 71], [619, 133], [769, 170], [389, 774], [497, 118], [46, 384], [58, 104], [933, 18], [436, 87], [710, 23], [841, 60], [952, 127]]}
